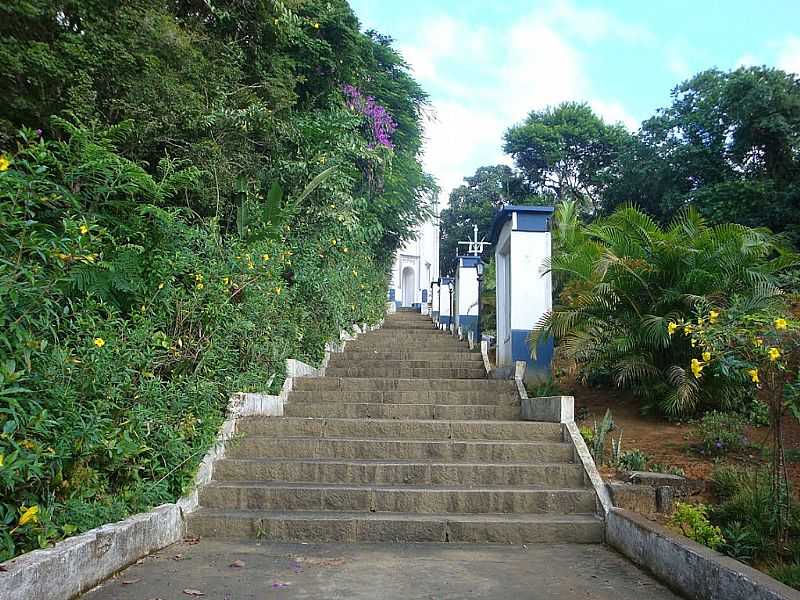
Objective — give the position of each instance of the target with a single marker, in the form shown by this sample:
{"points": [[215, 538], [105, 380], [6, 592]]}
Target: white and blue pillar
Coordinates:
{"points": [[445, 302], [466, 291], [522, 242]]}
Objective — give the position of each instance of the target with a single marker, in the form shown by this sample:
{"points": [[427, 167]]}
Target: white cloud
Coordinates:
{"points": [[509, 73], [747, 60], [677, 63], [789, 55]]}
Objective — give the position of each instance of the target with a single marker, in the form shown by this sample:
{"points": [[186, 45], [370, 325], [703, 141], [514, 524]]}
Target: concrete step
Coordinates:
{"points": [[255, 495], [346, 362], [397, 429], [415, 397], [390, 345], [477, 372], [407, 324], [360, 448], [425, 333], [403, 411], [366, 384], [413, 356], [410, 472], [333, 526]]}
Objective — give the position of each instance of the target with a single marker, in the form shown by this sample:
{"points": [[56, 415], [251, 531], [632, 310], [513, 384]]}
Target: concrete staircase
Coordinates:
{"points": [[403, 440]]}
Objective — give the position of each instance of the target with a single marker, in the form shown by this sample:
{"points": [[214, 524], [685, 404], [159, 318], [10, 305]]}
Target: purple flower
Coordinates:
{"points": [[39, 132], [380, 122]]}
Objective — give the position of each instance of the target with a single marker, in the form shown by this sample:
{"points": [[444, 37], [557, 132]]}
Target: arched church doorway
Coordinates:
{"points": [[407, 284]]}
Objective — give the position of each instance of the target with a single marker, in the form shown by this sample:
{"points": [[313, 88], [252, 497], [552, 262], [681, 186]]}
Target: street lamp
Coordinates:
{"points": [[479, 266], [451, 287]]}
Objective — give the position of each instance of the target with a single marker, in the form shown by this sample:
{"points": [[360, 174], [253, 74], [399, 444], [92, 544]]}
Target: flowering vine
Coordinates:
{"points": [[381, 124]]}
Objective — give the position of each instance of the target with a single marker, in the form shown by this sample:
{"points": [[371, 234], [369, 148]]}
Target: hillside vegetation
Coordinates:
{"points": [[190, 193]]}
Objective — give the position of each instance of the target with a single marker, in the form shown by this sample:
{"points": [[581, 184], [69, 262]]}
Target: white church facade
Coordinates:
{"points": [[416, 265]]}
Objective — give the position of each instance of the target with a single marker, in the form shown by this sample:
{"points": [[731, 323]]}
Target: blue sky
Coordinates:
{"points": [[487, 63]]}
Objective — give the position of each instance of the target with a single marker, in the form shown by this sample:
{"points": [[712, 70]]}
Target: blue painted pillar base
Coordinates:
{"points": [[521, 351], [469, 323], [445, 319]]}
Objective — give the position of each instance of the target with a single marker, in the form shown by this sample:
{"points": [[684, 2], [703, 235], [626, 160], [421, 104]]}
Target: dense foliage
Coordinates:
{"points": [[728, 145], [625, 282], [190, 193]]}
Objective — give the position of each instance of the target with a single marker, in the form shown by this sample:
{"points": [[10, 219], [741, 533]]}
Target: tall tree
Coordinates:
{"points": [[475, 203], [729, 145], [567, 152]]}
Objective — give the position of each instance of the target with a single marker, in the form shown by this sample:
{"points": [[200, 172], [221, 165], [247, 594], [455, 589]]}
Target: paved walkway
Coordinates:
{"points": [[269, 571]]}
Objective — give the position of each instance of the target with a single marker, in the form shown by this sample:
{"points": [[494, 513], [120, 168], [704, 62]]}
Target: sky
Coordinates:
{"points": [[486, 64]]}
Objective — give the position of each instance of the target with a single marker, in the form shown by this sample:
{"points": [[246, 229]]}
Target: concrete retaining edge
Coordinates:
{"points": [[79, 563], [687, 567]]}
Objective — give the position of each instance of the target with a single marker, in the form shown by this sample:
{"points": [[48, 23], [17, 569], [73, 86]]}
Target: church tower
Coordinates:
{"points": [[416, 265]]}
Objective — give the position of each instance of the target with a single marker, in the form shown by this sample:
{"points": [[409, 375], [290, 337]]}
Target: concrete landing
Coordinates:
{"points": [[382, 571]]}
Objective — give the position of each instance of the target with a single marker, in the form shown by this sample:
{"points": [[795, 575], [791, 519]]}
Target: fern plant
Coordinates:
{"points": [[623, 278]]}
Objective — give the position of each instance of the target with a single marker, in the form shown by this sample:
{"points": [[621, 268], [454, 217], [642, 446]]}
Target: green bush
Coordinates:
{"points": [[692, 521], [633, 460], [623, 279], [788, 574], [721, 433]]}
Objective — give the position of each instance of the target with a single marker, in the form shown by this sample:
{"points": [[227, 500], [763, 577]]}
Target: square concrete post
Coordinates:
{"points": [[521, 239], [435, 288], [467, 295], [445, 302]]}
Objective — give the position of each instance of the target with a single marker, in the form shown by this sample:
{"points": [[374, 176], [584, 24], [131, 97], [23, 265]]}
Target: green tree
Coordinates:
{"points": [[729, 145], [567, 152], [475, 203]]}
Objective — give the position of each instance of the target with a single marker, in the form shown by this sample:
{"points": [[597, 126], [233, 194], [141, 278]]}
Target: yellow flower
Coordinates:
{"points": [[697, 368], [774, 354], [28, 515], [694, 343], [345, 250], [780, 323], [4, 164], [161, 286], [99, 342], [754, 375], [198, 277], [706, 356], [200, 285], [672, 327], [265, 257], [316, 25], [355, 273], [278, 291], [2, 459], [713, 316], [758, 342], [333, 242], [687, 329], [84, 229], [27, 444], [226, 280]]}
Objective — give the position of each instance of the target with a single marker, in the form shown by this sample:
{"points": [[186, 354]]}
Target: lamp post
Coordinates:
{"points": [[451, 286], [479, 266]]}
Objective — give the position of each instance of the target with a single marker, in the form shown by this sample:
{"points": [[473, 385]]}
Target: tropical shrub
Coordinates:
{"points": [[623, 279], [633, 460], [720, 432], [692, 521]]}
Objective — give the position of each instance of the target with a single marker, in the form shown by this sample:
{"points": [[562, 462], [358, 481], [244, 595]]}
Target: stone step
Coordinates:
{"points": [[414, 355], [363, 384], [450, 450], [403, 411], [321, 470], [333, 526], [418, 334], [416, 397], [344, 361], [389, 345], [408, 325], [249, 495], [330, 428], [477, 372]]}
